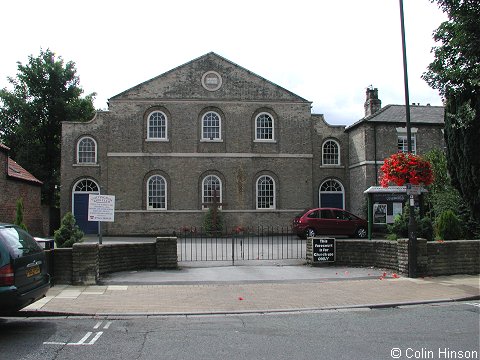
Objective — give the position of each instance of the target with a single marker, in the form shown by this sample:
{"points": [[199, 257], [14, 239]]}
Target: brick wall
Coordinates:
{"points": [[84, 264], [123, 257], [433, 258], [453, 257]]}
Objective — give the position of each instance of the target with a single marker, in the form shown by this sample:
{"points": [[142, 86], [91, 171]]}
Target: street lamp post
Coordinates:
{"points": [[412, 236]]}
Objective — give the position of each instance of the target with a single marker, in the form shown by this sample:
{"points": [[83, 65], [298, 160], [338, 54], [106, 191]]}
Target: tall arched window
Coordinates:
{"points": [[157, 126], [86, 151], [332, 194], [211, 189], [156, 193], [211, 126], [265, 192], [264, 127], [330, 153]]}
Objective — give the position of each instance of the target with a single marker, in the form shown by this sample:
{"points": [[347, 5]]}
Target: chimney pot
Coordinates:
{"points": [[372, 102]]}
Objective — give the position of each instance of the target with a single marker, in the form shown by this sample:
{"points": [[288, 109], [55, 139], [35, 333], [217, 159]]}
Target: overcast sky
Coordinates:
{"points": [[326, 51]]}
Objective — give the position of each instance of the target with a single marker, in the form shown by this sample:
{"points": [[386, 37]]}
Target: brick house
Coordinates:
{"points": [[17, 183], [209, 128], [381, 133]]}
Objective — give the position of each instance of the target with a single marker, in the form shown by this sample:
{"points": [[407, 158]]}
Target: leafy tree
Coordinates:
{"points": [[69, 233], [45, 92], [455, 72], [441, 196]]}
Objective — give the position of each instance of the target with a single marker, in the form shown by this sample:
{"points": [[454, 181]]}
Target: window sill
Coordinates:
{"points": [[332, 166], [157, 140], [265, 141], [86, 165], [211, 141]]}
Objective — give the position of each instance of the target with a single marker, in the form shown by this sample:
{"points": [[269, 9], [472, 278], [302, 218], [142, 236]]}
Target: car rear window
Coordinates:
{"points": [[18, 242]]}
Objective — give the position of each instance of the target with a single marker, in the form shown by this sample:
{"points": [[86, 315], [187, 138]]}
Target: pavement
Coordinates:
{"points": [[270, 287]]}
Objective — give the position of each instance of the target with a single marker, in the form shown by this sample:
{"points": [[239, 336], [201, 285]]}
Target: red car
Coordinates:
{"points": [[329, 221]]}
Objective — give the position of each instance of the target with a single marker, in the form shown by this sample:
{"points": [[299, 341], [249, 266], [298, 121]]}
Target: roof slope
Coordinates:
{"points": [[185, 82], [395, 114], [18, 172]]}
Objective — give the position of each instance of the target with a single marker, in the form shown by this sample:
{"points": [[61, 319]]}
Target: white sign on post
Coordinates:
{"points": [[101, 208]]}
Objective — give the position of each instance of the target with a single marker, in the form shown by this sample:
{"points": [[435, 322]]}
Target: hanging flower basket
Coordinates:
{"points": [[406, 168]]}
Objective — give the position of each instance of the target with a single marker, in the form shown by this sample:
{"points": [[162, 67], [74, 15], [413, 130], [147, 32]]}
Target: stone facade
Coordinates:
{"points": [[285, 153]]}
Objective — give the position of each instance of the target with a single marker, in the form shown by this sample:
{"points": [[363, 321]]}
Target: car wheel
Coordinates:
{"points": [[310, 232], [361, 233]]}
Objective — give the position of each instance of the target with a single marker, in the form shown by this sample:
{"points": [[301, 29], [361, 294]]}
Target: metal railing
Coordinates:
{"points": [[262, 243]]}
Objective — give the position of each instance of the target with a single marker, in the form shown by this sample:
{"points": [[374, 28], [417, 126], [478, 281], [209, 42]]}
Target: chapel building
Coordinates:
{"points": [[210, 129]]}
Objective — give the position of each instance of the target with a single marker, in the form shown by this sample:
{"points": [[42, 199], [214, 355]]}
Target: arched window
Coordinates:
{"points": [[330, 153], [86, 151], [157, 126], [264, 127], [331, 194], [265, 192], [156, 193], [211, 126], [86, 185], [211, 189]]}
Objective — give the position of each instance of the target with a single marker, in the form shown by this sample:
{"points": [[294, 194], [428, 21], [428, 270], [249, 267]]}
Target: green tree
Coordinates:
{"points": [[441, 195], [448, 227], [45, 92], [69, 233], [19, 215], [455, 72]]}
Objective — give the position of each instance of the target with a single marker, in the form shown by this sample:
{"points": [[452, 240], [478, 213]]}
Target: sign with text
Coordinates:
{"points": [[323, 250], [101, 208], [413, 189]]}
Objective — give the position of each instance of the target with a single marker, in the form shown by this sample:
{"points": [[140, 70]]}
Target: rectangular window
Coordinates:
{"points": [[402, 144]]}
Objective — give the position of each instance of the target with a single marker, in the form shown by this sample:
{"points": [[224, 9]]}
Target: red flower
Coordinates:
{"points": [[402, 168]]}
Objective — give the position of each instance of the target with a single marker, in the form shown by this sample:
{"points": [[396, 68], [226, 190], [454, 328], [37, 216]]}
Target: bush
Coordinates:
{"points": [[19, 215], [448, 226], [69, 233], [399, 228], [213, 223]]}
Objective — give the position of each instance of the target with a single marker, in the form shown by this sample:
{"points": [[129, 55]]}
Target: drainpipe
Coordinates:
{"points": [[375, 152]]}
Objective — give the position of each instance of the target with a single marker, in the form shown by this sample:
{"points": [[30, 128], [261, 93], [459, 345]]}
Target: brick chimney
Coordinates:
{"points": [[372, 103]]}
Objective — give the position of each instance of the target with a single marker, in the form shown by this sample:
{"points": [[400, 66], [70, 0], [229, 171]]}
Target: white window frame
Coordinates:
{"points": [[165, 119], [149, 206], [205, 196], [84, 186], [331, 155], [402, 137], [219, 136], [257, 128], [95, 151], [258, 191], [341, 191]]}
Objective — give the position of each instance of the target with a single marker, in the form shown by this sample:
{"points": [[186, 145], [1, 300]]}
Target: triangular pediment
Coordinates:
{"points": [[209, 77]]}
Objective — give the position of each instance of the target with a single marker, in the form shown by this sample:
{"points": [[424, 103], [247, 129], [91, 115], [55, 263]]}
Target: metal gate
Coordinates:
{"points": [[240, 244]]}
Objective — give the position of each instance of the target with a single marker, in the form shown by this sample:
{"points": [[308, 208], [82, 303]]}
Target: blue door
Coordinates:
{"points": [[80, 211], [331, 200]]}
